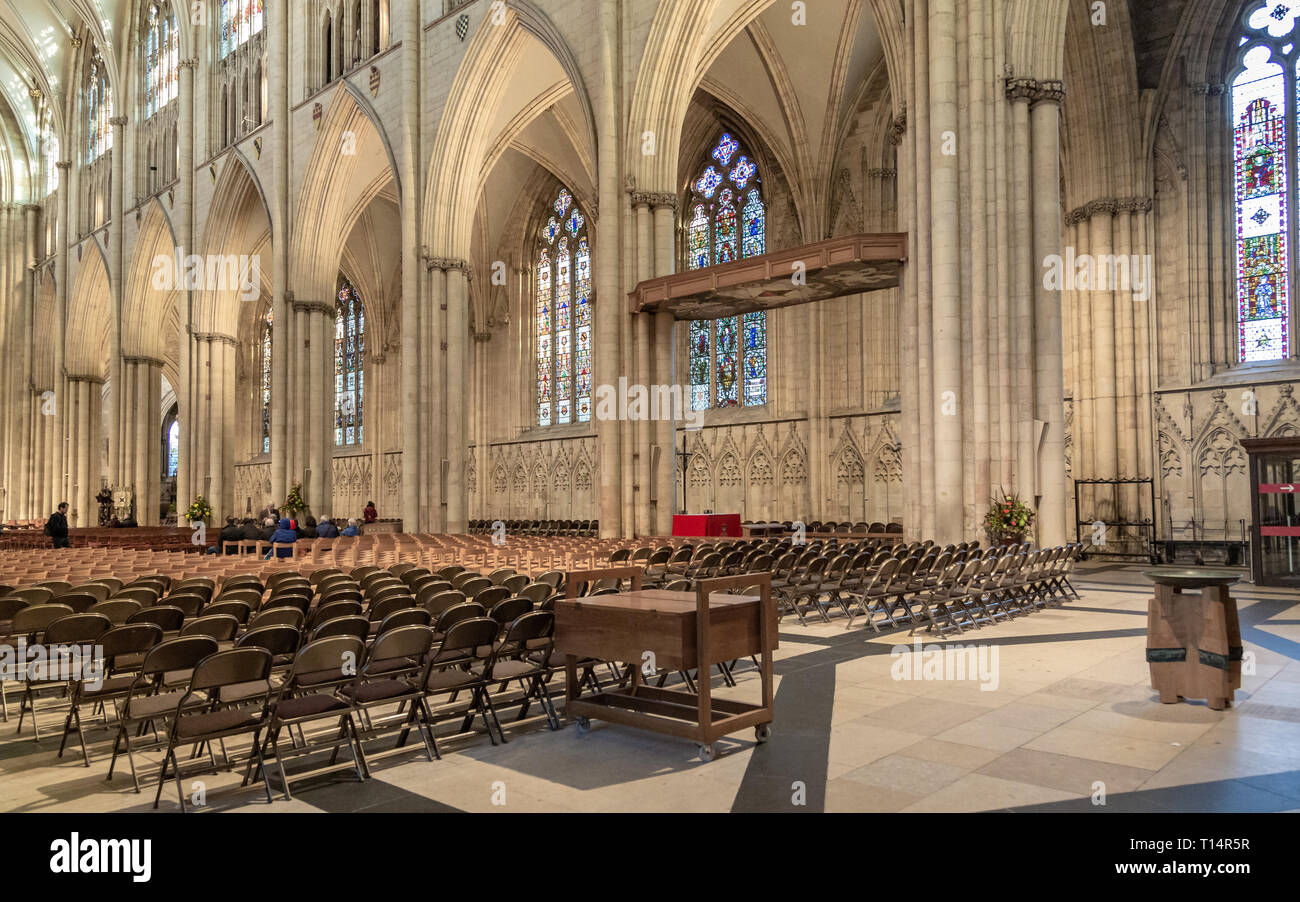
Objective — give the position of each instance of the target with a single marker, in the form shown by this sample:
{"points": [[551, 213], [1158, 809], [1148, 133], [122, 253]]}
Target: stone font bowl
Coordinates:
{"points": [[1191, 577]]}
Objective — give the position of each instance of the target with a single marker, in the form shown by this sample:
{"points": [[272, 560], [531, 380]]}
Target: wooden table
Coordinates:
{"points": [[1193, 639], [662, 630]]}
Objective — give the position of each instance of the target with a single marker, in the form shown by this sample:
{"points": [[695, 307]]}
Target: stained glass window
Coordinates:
{"points": [[161, 52], [99, 110], [266, 382], [240, 20], [1263, 112], [563, 315], [173, 447], [728, 356], [349, 365]]}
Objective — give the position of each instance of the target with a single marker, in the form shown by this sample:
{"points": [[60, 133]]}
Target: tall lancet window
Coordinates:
{"points": [[726, 221], [563, 315], [161, 55], [1264, 100], [99, 110], [240, 20], [267, 325], [349, 365]]}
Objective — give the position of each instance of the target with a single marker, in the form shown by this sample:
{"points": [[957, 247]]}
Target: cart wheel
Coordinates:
{"points": [[708, 751], [584, 725], [762, 732]]}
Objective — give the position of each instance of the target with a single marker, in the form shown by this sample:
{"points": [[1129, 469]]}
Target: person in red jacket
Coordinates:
{"points": [[370, 514]]}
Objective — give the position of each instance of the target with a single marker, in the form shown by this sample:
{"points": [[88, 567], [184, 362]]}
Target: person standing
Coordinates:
{"points": [[57, 526], [370, 513]]}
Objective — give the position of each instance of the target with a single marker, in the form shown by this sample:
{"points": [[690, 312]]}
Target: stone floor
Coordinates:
{"points": [[1070, 719]]}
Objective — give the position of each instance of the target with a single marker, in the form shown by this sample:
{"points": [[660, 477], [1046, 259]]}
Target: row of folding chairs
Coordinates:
{"points": [[283, 640], [946, 591], [537, 527]]}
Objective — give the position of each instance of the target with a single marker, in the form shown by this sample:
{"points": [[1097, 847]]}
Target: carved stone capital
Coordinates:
{"points": [[1035, 91], [65, 165], [1135, 205], [882, 173], [1051, 91], [1021, 88], [662, 199], [641, 199], [449, 263], [1208, 89], [191, 63], [215, 337], [323, 307], [117, 121], [1101, 205], [138, 359]]}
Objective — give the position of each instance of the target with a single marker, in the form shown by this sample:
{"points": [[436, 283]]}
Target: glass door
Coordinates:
{"points": [[1279, 519]]}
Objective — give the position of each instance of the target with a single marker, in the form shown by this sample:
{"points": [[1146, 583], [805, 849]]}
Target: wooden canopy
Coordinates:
{"points": [[851, 264]]}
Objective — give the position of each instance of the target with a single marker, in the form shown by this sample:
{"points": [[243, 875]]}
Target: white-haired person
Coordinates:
{"points": [[351, 529], [326, 529]]}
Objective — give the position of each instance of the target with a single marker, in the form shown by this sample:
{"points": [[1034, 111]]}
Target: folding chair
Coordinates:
{"points": [[216, 720], [60, 637], [390, 677], [118, 644], [524, 655], [148, 701], [461, 665], [309, 694]]}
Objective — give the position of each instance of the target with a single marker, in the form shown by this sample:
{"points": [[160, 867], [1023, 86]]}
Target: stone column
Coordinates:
{"points": [[138, 419], [115, 277], [85, 515], [311, 358], [185, 237], [426, 465], [220, 350], [203, 420], [643, 432], [1102, 335], [414, 372], [665, 208], [607, 361], [1019, 328], [457, 411], [1049, 381], [946, 285], [8, 380], [281, 402]]}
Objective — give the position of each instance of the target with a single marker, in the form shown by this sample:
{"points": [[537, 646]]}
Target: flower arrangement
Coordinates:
{"points": [[1008, 519], [294, 502], [199, 510]]}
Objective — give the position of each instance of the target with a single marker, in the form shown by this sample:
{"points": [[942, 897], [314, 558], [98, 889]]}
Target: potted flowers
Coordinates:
{"points": [[1008, 520], [294, 502], [199, 510]]}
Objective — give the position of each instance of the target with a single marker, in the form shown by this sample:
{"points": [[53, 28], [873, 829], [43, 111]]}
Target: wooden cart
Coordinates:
{"points": [[661, 630]]}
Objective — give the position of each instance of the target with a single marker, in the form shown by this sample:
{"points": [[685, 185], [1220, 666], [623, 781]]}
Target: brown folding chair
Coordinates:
{"points": [[217, 720]]}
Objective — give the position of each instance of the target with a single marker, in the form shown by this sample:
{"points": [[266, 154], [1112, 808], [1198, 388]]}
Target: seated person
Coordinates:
{"points": [[370, 513], [283, 534], [351, 528], [326, 529], [250, 532], [231, 532], [306, 529], [268, 529]]}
